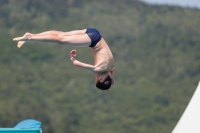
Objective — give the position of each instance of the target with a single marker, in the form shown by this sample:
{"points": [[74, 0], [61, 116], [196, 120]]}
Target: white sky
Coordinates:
{"points": [[184, 3]]}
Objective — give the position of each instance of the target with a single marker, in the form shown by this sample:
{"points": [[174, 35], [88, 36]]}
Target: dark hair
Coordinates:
{"points": [[105, 85]]}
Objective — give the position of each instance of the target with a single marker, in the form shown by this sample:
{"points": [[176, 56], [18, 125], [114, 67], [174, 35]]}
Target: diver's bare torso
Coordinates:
{"points": [[103, 58]]}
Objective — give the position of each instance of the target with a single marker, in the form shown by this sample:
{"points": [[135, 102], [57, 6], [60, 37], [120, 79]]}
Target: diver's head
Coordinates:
{"points": [[103, 81]]}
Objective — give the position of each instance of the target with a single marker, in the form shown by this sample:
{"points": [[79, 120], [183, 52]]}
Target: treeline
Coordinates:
{"points": [[156, 49]]}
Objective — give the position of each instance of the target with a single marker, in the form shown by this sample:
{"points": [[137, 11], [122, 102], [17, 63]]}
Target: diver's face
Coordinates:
{"points": [[100, 77]]}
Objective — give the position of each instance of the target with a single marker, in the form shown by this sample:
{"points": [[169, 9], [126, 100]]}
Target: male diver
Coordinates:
{"points": [[103, 59]]}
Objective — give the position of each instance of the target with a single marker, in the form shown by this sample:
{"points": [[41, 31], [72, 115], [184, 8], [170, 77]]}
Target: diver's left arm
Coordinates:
{"points": [[80, 64], [83, 65]]}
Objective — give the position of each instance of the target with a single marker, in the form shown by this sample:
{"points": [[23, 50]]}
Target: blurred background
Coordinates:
{"points": [[156, 50]]}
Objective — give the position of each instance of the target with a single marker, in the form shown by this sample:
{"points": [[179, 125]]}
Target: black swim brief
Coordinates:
{"points": [[94, 35]]}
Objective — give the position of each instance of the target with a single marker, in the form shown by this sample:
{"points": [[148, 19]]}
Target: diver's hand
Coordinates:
{"points": [[73, 55]]}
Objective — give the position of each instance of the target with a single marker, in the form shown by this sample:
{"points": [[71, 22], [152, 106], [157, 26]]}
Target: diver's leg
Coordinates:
{"points": [[74, 40], [72, 37], [55, 32]]}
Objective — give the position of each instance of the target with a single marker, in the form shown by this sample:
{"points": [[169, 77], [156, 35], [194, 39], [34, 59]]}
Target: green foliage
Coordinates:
{"points": [[156, 49]]}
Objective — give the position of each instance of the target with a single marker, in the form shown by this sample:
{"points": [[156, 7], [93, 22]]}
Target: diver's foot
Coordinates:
{"points": [[20, 43], [20, 39], [23, 38]]}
